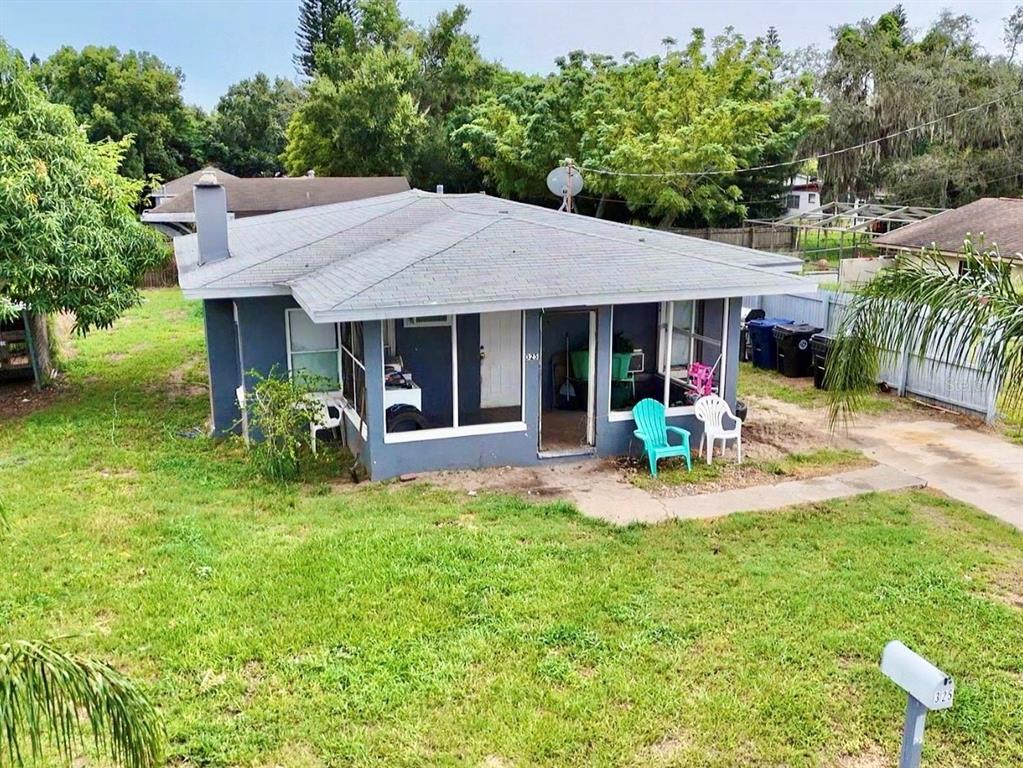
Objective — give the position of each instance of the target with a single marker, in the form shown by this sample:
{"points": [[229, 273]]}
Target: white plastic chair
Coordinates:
{"points": [[711, 410], [324, 420]]}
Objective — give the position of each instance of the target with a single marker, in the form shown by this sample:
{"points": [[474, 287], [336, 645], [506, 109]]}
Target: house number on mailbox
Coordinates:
{"points": [[532, 356]]}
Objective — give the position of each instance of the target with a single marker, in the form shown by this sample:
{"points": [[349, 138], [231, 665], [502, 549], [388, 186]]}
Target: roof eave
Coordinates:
{"points": [[798, 286], [234, 293]]}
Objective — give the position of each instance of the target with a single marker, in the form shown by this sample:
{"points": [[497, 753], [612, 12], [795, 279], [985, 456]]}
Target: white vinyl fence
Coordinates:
{"points": [[961, 386]]}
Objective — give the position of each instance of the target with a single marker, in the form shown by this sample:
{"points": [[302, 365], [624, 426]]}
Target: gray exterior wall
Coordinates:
{"points": [[261, 330]]}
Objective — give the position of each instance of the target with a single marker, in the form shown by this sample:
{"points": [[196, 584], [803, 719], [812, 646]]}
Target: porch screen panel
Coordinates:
{"points": [[489, 364], [667, 340], [353, 368], [635, 330], [419, 385], [313, 350], [708, 337]]}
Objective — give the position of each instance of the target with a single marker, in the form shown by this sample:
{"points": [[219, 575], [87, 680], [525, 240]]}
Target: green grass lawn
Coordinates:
{"points": [[396, 624], [673, 472], [756, 382]]}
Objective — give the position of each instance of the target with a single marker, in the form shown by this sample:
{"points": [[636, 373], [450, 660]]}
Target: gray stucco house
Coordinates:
{"points": [[467, 330]]}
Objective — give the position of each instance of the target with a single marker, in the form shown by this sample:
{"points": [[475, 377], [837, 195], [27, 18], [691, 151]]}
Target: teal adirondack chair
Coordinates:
{"points": [[653, 431]]}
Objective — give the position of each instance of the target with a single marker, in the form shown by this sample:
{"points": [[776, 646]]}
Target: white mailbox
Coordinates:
{"points": [[927, 688], [917, 676]]}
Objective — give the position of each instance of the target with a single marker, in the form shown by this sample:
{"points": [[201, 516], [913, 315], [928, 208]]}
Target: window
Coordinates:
{"points": [[460, 372], [689, 339], [312, 349], [811, 198], [792, 201], [329, 354]]}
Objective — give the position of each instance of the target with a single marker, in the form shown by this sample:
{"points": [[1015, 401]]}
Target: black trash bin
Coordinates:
{"points": [[820, 347], [792, 342], [761, 339]]}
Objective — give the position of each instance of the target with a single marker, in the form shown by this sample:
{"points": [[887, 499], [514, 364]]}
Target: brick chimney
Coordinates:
{"points": [[210, 202]]}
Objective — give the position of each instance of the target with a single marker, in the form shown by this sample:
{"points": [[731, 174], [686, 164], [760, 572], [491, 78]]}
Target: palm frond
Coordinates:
{"points": [[44, 695], [924, 307]]}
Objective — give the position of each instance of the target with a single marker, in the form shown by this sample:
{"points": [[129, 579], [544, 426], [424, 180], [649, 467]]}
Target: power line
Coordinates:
{"points": [[800, 161]]}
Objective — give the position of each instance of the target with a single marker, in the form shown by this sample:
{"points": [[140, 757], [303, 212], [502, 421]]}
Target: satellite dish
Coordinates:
{"points": [[565, 181]]}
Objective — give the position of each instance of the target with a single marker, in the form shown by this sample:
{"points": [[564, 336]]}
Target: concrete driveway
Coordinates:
{"points": [[970, 464]]}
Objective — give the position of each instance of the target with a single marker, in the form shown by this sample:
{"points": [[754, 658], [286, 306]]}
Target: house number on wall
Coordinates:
{"points": [[532, 357]]}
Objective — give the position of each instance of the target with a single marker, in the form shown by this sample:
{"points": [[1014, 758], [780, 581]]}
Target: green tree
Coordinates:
{"points": [[655, 125], [44, 696], [134, 94], [927, 307], [871, 69], [247, 127], [69, 236], [317, 27], [388, 96]]}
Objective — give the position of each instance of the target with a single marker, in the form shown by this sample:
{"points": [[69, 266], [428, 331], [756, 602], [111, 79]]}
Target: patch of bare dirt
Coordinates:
{"points": [[1007, 586], [664, 749], [19, 399], [182, 380], [872, 757], [531, 482]]}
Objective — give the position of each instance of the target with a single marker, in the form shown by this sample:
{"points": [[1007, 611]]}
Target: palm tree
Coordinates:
{"points": [[45, 693], [974, 314]]}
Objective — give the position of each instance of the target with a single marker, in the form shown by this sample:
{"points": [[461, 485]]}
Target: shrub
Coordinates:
{"points": [[281, 411]]}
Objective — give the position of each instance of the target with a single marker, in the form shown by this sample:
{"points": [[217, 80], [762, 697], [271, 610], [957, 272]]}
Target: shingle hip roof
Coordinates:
{"points": [[421, 253], [998, 219]]}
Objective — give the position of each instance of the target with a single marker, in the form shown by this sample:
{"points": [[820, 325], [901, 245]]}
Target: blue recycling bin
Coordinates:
{"points": [[761, 336]]}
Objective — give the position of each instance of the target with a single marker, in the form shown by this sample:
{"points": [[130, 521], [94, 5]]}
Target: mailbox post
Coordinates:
{"points": [[927, 687]]}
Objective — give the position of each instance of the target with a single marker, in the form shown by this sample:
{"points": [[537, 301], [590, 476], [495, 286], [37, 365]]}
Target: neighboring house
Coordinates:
{"points": [[184, 184], [174, 213], [467, 330], [804, 194], [988, 222]]}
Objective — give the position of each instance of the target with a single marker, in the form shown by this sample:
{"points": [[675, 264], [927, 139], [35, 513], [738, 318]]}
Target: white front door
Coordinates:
{"points": [[500, 359]]}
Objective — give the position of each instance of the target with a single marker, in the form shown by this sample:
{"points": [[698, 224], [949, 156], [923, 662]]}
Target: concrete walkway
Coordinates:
{"points": [[625, 504]]}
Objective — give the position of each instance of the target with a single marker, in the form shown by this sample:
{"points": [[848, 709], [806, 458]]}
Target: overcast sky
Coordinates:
{"points": [[218, 42]]}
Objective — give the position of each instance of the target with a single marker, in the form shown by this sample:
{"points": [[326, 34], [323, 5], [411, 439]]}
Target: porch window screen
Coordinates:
{"points": [[672, 337], [313, 350], [465, 372], [353, 369]]}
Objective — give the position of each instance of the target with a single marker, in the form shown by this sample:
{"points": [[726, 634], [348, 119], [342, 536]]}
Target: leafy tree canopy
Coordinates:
{"points": [[880, 79], [127, 94], [386, 96], [690, 111], [70, 239], [246, 129]]}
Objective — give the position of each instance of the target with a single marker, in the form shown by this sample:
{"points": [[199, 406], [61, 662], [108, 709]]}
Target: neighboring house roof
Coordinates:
{"points": [[417, 253], [185, 183], [999, 219], [268, 195]]}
